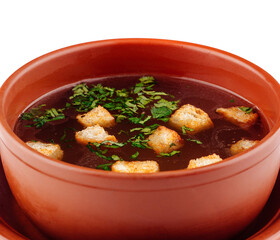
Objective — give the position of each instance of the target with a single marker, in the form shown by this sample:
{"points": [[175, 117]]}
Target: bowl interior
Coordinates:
{"points": [[135, 57], [139, 57]]}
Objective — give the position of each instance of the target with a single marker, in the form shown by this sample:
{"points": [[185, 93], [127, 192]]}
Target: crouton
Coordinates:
{"points": [[135, 167], [98, 115], [238, 117], [204, 161], [48, 149], [165, 140], [94, 134], [242, 145], [191, 117]]}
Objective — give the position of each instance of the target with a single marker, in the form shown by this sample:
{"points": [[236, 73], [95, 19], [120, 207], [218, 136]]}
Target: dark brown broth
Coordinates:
{"points": [[205, 96]]}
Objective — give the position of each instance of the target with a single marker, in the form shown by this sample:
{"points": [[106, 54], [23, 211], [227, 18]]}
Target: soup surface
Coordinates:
{"points": [[59, 108]]}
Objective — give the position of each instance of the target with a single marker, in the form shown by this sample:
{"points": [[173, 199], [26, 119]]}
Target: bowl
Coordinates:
{"points": [[71, 202]]}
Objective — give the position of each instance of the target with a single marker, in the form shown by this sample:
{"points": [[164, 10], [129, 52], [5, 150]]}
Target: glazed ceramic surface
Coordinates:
{"points": [[15, 225], [71, 202]]}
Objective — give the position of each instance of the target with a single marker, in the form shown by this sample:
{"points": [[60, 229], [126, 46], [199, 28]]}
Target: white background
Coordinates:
{"points": [[246, 28]]}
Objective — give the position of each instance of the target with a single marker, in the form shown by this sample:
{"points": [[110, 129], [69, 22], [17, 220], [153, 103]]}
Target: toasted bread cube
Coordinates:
{"points": [[165, 140], [135, 167], [242, 145], [238, 117], [94, 134], [98, 115], [204, 161], [191, 117], [48, 149]]}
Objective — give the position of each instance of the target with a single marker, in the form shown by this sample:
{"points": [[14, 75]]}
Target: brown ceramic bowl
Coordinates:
{"points": [[71, 202]]}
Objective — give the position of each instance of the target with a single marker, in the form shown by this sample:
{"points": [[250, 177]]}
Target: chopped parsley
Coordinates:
{"points": [[64, 135], [139, 141], [120, 118], [194, 140], [142, 101], [106, 166], [246, 109], [154, 93], [161, 113], [185, 129], [146, 83], [125, 103], [172, 105], [116, 158], [108, 144], [67, 105], [122, 131], [163, 109], [95, 148], [168, 154], [84, 98], [40, 117], [146, 130], [171, 145], [140, 120], [33, 113], [135, 155]]}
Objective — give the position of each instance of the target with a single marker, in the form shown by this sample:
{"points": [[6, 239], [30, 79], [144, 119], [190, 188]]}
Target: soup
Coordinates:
{"points": [[139, 107]]}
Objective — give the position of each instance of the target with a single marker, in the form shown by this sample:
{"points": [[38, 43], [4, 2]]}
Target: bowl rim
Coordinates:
{"points": [[7, 85]]}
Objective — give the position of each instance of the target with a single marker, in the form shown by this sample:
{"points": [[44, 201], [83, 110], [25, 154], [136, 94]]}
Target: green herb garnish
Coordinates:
{"points": [[194, 140], [101, 153], [185, 129], [161, 112], [33, 113], [163, 109], [146, 130], [116, 158], [105, 166], [110, 145], [84, 98], [246, 109], [172, 144], [64, 135], [135, 155], [154, 93], [172, 105], [139, 120], [122, 131], [146, 83], [41, 117], [142, 101], [120, 118], [125, 102], [168, 154], [139, 141]]}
